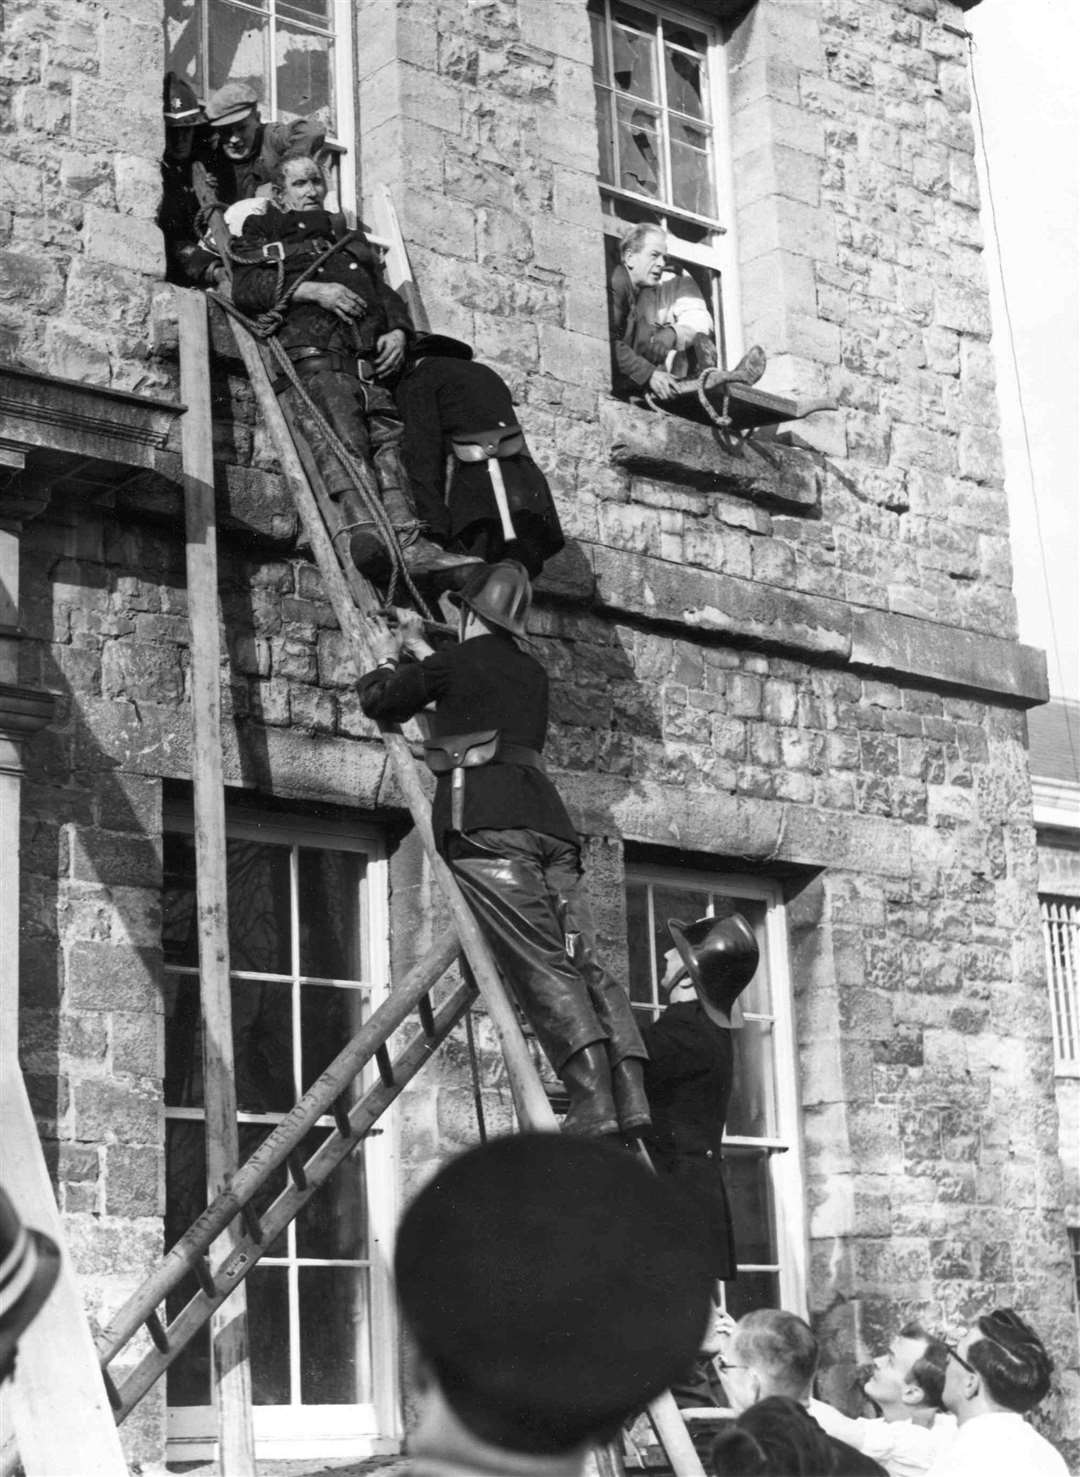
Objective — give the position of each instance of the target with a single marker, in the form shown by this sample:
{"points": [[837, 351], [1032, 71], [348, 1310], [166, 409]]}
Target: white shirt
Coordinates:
{"points": [[999, 1444], [903, 1448]]}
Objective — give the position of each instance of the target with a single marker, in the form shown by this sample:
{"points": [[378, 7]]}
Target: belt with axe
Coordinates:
{"points": [[491, 447]]}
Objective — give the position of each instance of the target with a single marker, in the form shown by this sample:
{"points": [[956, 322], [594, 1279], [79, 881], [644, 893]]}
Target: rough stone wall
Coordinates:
{"points": [[79, 186], [901, 809]]}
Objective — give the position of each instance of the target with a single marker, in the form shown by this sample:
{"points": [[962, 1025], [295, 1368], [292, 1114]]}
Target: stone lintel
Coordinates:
{"points": [[670, 448], [710, 821], [40, 410], [901, 647], [904, 644]]}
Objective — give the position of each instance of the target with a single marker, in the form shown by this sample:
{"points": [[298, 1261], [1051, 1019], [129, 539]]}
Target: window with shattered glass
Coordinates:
{"points": [[658, 81], [293, 53]]}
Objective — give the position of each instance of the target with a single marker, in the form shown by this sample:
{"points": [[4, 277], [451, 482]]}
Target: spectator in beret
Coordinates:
{"points": [[553, 1286]]}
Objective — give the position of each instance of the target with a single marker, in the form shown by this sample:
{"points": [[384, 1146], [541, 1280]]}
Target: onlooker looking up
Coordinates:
{"points": [[997, 1372], [905, 1384]]}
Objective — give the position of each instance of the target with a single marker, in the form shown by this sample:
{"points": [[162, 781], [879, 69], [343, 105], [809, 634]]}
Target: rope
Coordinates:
{"points": [[356, 470], [721, 419]]}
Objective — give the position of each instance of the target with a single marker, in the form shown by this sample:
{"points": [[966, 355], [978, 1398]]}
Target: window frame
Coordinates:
{"points": [[782, 1149], [351, 1429], [342, 142], [718, 259]]}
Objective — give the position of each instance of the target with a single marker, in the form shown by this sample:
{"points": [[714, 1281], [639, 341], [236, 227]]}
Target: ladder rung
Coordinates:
{"points": [[156, 1329], [385, 1066], [296, 1170], [205, 1276], [252, 1225], [427, 1016], [111, 1391], [340, 1110]]}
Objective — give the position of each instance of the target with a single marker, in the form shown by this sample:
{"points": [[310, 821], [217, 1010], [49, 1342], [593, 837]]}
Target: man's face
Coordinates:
{"points": [[179, 141], [957, 1378], [891, 1375], [646, 264], [238, 139], [673, 968], [302, 185], [740, 1382]]}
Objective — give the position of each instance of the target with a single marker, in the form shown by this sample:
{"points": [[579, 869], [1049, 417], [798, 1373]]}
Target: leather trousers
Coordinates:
{"points": [[364, 416], [527, 892]]}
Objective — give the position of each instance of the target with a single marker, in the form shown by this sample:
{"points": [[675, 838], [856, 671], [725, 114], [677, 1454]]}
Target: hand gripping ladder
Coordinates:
{"points": [[355, 604]]}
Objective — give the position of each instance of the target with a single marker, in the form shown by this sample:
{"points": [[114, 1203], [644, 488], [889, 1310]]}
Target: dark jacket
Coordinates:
{"points": [[440, 398], [688, 1082], [304, 235], [485, 682], [187, 261], [638, 342]]}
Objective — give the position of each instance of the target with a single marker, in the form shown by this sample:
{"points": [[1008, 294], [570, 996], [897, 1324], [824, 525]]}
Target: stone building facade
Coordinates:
{"points": [[785, 670]]}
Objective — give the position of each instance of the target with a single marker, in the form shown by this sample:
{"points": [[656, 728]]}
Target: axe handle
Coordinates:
{"points": [[498, 487]]}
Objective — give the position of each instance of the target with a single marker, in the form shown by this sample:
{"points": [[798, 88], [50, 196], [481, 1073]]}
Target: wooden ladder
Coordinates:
{"points": [[220, 1249]]}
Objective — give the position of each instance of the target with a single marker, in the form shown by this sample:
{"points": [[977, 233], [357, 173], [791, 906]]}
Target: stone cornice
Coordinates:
{"points": [[899, 647], [24, 710], [42, 411]]}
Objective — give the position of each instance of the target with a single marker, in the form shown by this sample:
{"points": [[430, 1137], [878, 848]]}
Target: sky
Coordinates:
{"points": [[1025, 74]]}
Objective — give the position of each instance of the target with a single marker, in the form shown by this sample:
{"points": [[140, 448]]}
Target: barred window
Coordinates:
{"points": [[1061, 937], [661, 107]]}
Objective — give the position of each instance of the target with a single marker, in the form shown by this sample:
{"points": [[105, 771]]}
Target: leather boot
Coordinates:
{"points": [[628, 1090], [422, 557], [587, 1078]]}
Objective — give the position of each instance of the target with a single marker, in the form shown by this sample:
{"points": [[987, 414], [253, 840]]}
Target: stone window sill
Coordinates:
{"points": [[667, 448]]}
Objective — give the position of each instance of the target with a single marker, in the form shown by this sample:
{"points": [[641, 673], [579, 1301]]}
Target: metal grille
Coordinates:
{"points": [[1061, 936]]}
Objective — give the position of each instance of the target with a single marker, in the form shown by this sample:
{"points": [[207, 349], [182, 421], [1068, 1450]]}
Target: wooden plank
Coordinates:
{"points": [[399, 271], [356, 607], [231, 1367]]}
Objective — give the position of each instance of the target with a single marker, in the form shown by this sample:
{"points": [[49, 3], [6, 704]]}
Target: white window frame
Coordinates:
{"points": [[343, 142], [347, 1430], [720, 257], [783, 1145], [1061, 942]]}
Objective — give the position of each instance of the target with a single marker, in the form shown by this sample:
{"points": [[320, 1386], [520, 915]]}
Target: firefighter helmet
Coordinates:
{"points": [[499, 593], [721, 955]]}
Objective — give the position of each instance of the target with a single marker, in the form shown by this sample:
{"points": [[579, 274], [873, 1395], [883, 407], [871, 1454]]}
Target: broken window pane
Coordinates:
{"points": [[239, 48], [308, 12], [639, 157], [303, 75], [685, 76], [633, 60], [182, 21], [691, 170]]}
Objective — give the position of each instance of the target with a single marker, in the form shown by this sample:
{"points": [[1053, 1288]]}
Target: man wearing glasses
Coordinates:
{"points": [[996, 1373]]}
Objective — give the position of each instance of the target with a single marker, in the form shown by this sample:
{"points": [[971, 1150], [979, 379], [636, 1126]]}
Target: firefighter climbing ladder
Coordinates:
{"points": [[227, 1240]]}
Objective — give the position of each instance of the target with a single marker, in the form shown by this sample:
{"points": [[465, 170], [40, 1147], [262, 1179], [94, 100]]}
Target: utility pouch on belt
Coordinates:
{"points": [[454, 753], [480, 446]]}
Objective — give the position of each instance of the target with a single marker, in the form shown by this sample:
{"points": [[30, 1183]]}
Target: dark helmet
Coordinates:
{"points": [[438, 346], [181, 107], [500, 593], [29, 1265], [721, 956]]}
